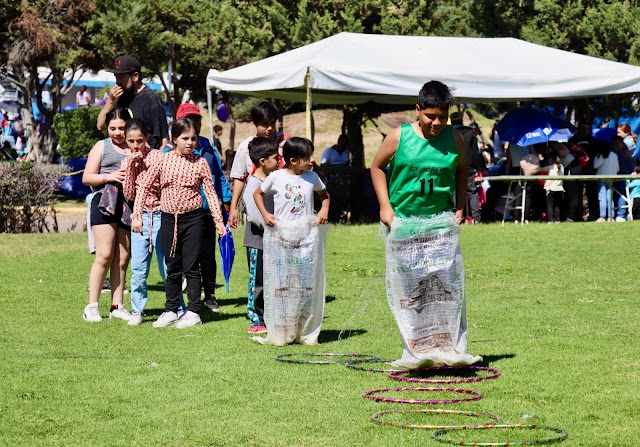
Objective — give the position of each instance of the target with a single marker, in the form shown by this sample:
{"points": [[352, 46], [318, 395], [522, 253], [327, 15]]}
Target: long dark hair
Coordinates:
{"points": [[117, 114]]}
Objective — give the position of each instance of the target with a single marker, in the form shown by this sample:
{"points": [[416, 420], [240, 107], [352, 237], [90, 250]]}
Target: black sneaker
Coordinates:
{"points": [[106, 287], [212, 304]]}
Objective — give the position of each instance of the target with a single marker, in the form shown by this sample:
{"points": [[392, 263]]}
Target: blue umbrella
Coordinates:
{"points": [[525, 127], [227, 253]]}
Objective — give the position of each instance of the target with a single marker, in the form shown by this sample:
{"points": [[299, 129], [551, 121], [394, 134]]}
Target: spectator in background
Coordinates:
{"points": [[573, 190], [338, 154], [143, 103], [584, 138], [475, 162], [554, 189], [83, 97], [634, 192], [629, 138], [627, 164], [217, 143], [530, 165], [606, 163]]}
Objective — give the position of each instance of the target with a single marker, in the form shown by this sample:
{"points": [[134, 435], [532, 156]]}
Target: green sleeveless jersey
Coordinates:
{"points": [[423, 173]]}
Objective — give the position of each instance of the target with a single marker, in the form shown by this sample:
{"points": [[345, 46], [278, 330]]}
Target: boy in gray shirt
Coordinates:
{"points": [[264, 155]]}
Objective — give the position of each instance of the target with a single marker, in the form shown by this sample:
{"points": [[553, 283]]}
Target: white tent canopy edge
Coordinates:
{"points": [[350, 68]]}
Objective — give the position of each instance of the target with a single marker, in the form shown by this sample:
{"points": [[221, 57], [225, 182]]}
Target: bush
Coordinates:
{"points": [[27, 194], [77, 132]]}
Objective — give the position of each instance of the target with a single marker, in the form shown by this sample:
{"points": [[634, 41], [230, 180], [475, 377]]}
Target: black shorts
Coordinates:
{"points": [[98, 218]]}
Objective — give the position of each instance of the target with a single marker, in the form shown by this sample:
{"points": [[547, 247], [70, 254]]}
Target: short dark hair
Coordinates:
{"points": [[617, 138], [435, 94], [117, 114], [181, 126], [296, 148], [136, 124], [261, 147], [217, 128], [264, 110]]}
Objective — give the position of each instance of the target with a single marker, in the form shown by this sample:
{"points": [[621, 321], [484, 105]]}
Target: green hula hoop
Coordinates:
{"points": [[331, 357], [377, 420], [357, 364], [438, 433]]}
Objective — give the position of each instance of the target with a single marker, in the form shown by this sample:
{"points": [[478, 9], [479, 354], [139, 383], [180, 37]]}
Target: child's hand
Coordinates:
{"points": [[233, 218], [136, 226], [386, 216], [322, 217], [270, 220]]}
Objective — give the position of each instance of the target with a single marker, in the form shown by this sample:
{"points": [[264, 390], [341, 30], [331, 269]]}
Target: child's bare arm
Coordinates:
{"points": [[462, 176], [379, 178], [269, 219], [323, 214]]}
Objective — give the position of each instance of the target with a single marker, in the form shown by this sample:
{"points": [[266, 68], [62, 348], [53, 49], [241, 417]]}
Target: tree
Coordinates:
{"points": [[44, 48]]}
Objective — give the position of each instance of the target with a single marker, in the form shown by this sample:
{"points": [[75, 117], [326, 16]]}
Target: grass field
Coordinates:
{"points": [[554, 307]]}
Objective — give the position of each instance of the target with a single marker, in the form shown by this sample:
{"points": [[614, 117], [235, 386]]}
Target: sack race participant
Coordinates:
{"points": [[294, 241], [425, 277], [425, 290], [294, 282]]}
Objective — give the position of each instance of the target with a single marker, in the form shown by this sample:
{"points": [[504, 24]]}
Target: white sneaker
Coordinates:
{"points": [[620, 219], [166, 319], [135, 320], [92, 313], [120, 312], [190, 319]]}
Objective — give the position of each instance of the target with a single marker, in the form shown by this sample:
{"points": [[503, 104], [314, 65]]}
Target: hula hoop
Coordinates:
{"points": [[563, 435], [355, 364], [286, 357], [396, 375], [376, 419], [370, 395]]}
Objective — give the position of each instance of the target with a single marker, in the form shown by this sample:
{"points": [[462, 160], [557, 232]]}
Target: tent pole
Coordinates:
{"points": [[307, 84], [210, 106]]}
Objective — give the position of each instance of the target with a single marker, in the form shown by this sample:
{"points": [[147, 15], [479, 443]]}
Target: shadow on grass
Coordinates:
{"points": [[206, 315], [487, 360], [330, 335]]}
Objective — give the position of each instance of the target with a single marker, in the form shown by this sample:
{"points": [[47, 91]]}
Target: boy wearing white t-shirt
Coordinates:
{"points": [[293, 186], [294, 281]]}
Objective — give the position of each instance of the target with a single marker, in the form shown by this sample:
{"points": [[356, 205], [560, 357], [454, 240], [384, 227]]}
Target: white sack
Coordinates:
{"points": [[425, 290], [294, 282]]}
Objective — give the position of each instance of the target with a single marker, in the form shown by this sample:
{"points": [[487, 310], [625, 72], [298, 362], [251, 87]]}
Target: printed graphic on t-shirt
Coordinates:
{"points": [[294, 193]]}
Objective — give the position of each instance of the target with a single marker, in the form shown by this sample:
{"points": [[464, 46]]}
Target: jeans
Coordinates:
{"points": [[604, 199], [621, 193], [141, 259]]}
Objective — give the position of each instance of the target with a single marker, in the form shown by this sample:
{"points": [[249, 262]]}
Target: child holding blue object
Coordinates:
{"points": [[423, 207], [264, 155], [205, 150]]}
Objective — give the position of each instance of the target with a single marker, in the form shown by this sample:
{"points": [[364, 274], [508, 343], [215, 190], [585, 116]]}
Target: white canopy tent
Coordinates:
{"points": [[353, 68]]}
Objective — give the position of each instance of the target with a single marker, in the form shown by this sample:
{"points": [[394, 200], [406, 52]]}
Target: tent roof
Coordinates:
{"points": [[350, 68]]}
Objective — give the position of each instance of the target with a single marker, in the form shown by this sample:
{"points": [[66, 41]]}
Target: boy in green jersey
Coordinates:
{"points": [[422, 206], [427, 162]]}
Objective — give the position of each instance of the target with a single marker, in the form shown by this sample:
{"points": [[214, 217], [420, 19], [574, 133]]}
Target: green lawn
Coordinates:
{"points": [[554, 307]]}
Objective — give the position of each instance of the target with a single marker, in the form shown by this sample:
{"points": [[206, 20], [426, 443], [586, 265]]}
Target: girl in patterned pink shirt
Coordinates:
{"points": [[180, 174]]}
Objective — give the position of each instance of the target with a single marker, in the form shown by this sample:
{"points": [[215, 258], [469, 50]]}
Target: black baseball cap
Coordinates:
{"points": [[125, 64]]}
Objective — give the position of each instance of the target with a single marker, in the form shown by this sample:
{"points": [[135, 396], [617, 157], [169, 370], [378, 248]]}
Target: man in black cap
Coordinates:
{"points": [[142, 102]]}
